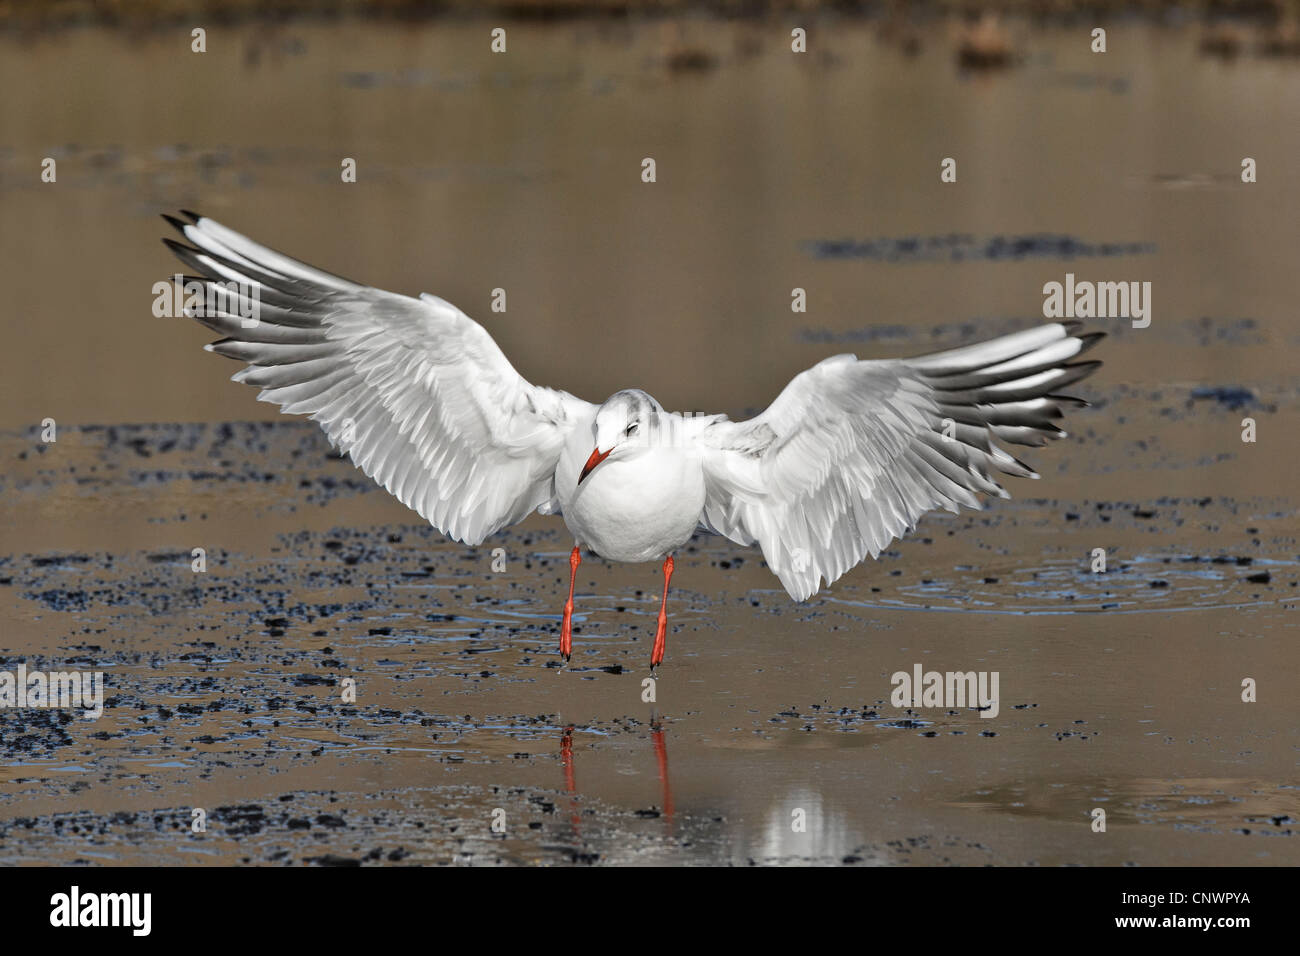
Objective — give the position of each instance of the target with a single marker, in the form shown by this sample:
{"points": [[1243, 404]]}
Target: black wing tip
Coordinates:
{"points": [[179, 224], [1088, 341], [1078, 371], [1032, 474], [1072, 328], [1073, 400], [178, 247]]}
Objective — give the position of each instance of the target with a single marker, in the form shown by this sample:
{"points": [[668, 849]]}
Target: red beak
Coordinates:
{"points": [[597, 456]]}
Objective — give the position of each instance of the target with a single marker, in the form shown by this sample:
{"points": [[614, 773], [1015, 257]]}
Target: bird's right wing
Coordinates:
{"points": [[414, 390], [852, 453]]}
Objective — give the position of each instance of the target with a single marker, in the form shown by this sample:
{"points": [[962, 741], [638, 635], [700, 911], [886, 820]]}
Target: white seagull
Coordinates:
{"points": [[850, 455]]}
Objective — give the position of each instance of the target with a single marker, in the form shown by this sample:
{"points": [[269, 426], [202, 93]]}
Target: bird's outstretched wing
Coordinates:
{"points": [[851, 454], [414, 390]]}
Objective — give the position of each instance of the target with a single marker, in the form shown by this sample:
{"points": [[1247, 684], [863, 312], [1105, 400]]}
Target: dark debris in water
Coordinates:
{"points": [[963, 247], [1232, 397]]}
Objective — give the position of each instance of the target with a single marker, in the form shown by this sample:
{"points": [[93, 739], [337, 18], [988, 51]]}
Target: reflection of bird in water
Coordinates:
{"points": [[801, 828], [570, 782], [984, 45], [661, 758], [846, 459], [661, 763]]}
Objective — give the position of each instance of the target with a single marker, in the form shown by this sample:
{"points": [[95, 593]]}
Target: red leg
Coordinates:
{"points": [[657, 655], [566, 629]]}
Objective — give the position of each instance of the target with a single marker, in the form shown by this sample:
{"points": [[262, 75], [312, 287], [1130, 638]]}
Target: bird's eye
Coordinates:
{"points": [[630, 428]]}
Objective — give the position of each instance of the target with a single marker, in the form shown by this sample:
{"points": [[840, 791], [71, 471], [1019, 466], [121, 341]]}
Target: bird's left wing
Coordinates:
{"points": [[415, 391], [852, 453]]}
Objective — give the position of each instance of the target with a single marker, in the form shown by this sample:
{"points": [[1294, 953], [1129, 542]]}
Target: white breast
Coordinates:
{"points": [[640, 504]]}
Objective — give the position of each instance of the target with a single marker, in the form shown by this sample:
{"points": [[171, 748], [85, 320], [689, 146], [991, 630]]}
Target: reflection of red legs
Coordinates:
{"points": [[657, 655], [570, 784], [566, 758], [566, 629], [661, 755]]}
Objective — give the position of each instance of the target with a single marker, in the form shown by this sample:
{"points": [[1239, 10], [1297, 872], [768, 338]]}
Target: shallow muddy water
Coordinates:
{"points": [[224, 689]]}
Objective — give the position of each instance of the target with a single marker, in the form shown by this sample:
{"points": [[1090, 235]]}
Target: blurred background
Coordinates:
{"points": [[522, 171]]}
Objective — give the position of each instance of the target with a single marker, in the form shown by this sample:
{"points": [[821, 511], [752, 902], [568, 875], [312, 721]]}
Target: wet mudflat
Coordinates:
{"points": [[227, 690]]}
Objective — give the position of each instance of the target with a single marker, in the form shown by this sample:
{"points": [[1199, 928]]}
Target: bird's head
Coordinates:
{"points": [[625, 421]]}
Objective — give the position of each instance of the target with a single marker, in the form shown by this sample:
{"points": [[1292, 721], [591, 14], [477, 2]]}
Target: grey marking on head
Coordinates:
{"points": [[620, 410], [636, 401]]}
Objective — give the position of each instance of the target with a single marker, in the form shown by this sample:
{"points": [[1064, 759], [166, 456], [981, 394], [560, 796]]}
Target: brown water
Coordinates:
{"points": [[522, 172]]}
